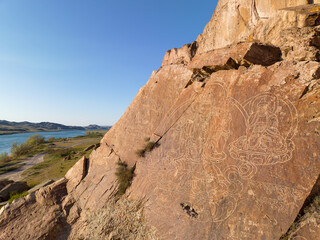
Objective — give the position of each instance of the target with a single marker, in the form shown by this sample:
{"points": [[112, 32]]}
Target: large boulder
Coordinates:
{"points": [[36, 216], [77, 173], [52, 194], [4, 183], [236, 55], [15, 187]]}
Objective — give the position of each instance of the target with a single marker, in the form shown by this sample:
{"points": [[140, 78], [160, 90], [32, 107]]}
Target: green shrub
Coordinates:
{"points": [[124, 175], [14, 196], [51, 139], [30, 144], [149, 145], [19, 150], [10, 168], [140, 152], [4, 157], [35, 140]]}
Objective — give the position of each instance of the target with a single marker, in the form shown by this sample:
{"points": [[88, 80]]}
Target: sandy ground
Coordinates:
{"points": [[28, 163]]}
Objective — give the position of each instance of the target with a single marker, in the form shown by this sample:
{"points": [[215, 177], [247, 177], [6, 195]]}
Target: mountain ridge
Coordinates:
{"points": [[11, 127]]}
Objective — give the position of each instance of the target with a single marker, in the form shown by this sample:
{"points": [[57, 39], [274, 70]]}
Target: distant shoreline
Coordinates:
{"points": [[8, 128], [62, 130]]}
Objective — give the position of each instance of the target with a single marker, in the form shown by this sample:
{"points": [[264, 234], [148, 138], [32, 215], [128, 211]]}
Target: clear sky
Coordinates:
{"points": [[80, 62]]}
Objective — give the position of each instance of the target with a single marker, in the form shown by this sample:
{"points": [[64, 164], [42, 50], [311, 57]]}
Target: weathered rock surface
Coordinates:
{"points": [[180, 56], [4, 183], [236, 156], [233, 21], [15, 187], [41, 185], [36, 216], [237, 123], [77, 173], [242, 54], [147, 110]]}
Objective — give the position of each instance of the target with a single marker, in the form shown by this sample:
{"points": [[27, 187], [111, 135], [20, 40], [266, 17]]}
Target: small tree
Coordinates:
{"points": [[4, 157], [35, 140]]}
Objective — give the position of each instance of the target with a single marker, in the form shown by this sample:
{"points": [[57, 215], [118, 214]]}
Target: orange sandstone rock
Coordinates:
{"points": [[236, 119]]}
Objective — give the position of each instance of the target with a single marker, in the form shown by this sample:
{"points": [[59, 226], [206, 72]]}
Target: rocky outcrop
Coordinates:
{"points": [[236, 124], [4, 183], [180, 56], [146, 111], [14, 187], [234, 21], [36, 216], [232, 161], [242, 54]]}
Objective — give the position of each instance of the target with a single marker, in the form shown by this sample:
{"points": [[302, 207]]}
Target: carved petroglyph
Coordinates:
{"points": [[286, 198], [231, 142], [299, 238], [263, 144]]}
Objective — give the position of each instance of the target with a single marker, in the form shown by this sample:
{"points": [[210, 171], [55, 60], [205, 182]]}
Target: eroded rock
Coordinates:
{"points": [[234, 20], [15, 187], [77, 173], [242, 54], [4, 183], [52, 195], [234, 157], [180, 56], [237, 131]]}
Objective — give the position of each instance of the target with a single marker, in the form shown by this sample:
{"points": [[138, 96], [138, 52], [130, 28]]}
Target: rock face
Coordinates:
{"points": [[37, 216], [236, 119], [14, 187], [234, 21], [4, 183]]}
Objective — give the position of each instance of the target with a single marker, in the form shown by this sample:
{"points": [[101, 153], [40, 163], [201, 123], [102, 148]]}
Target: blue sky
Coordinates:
{"points": [[80, 62]]}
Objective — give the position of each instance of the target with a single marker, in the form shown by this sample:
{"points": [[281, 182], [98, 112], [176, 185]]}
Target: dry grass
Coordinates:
{"points": [[55, 164], [61, 155], [312, 210], [148, 147], [124, 175], [120, 219]]}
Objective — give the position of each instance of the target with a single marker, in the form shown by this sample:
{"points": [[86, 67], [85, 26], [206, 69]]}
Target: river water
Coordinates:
{"points": [[7, 140]]}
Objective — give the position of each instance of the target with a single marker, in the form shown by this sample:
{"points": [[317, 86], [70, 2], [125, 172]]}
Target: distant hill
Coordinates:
{"points": [[7, 127], [97, 127]]}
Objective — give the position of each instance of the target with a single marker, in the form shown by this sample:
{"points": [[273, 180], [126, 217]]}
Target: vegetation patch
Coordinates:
{"points": [[124, 175], [60, 155], [55, 165], [93, 134], [14, 196], [148, 147], [308, 211], [10, 168], [4, 158], [32, 146]]}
